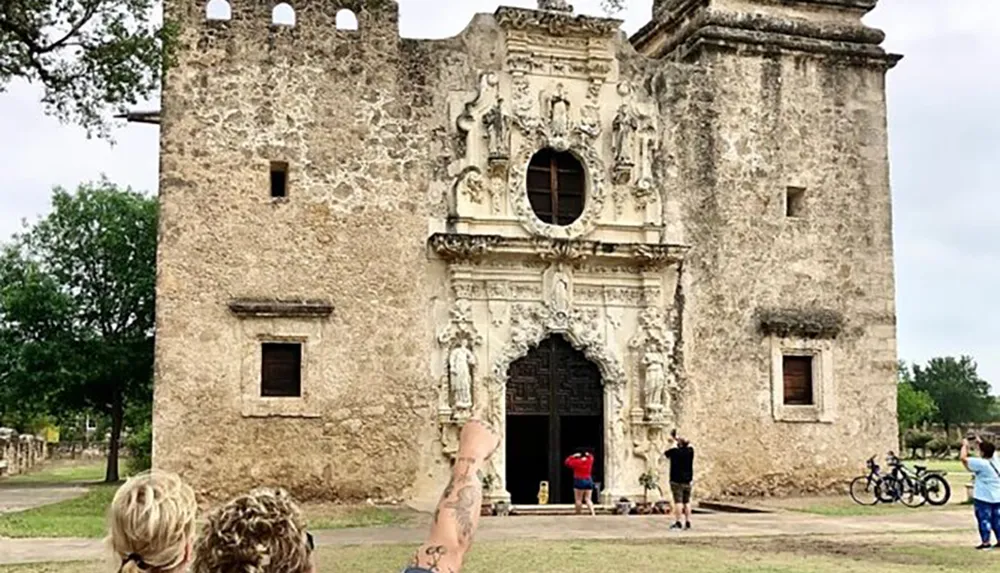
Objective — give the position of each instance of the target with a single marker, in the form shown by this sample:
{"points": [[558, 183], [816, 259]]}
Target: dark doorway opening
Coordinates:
{"points": [[555, 405]]}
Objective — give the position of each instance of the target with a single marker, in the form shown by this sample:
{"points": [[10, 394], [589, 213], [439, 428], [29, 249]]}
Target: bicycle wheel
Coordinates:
{"points": [[911, 493], [937, 490], [887, 489], [864, 491]]}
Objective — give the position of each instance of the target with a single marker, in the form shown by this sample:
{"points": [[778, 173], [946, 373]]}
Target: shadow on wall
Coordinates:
{"points": [[283, 14]]}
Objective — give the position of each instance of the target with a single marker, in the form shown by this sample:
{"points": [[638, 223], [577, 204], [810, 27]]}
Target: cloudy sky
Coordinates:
{"points": [[944, 138]]}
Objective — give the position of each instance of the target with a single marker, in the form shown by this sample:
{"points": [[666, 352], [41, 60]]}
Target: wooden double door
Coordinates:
{"points": [[555, 405]]}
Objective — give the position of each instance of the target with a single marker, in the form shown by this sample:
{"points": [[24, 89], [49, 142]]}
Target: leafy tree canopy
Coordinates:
{"points": [[90, 57], [961, 396], [76, 307]]}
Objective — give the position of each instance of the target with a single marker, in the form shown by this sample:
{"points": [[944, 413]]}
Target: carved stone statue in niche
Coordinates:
{"points": [[624, 126], [461, 361], [560, 291], [656, 395], [559, 113], [497, 131]]}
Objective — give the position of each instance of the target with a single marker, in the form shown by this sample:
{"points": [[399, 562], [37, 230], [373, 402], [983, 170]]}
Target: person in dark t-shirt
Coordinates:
{"points": [[681, 456]]}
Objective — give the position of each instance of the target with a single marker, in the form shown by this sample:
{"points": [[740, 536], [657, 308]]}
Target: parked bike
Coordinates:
{"points": [[924, 485], [869, 489]]}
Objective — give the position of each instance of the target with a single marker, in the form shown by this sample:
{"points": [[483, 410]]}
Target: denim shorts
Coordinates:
{"points": [[583, 484]]}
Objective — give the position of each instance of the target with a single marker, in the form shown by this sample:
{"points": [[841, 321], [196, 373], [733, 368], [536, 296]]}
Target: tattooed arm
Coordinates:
{"points": [[457, 514]]}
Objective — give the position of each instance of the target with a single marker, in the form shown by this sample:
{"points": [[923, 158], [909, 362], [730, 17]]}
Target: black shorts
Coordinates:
{"points": [[415, 570], [681, 492]]}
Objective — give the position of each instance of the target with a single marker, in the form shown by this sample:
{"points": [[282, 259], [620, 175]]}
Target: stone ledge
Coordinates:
{"points": [[455, 247], [800, 323], [280, 309]]}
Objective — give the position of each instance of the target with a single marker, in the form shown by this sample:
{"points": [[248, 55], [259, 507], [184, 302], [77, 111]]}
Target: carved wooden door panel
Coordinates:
{"points": [[558, 382]]}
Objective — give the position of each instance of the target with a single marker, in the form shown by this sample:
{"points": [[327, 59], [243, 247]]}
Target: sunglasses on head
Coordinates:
{"points": [[310, 542]]}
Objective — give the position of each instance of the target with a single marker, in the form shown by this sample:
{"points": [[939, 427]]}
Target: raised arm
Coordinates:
{"points": [[457, 514], [963, 455]]}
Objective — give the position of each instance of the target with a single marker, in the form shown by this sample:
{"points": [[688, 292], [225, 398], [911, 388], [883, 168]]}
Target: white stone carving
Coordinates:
{"points": [[470, 184], [624, 126], [560, 291], [655, 342], [558, 113], [555, 5], [461, 362], [497, 124]]}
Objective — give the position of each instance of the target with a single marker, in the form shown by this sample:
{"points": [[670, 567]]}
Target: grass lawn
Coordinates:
{"points": [[81, 517], [708, 556], [86, 516], [64, 473]]}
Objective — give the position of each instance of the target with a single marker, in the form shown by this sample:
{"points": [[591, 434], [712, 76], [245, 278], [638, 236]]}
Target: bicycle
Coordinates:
{"points": [[870, 489], [930, 485]]}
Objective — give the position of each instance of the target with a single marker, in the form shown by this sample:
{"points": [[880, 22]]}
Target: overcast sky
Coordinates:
{"points": [[944, 136]]}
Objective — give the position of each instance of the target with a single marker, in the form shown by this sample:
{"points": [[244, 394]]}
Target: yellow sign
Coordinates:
{"points": [[52, 435]]}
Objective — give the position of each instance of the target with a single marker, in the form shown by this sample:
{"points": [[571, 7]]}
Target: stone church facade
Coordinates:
{"points": [[587, 239]]}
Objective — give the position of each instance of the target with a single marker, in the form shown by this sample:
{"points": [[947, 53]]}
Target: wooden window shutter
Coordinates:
{"points": [[798, 380], [281, 370]]}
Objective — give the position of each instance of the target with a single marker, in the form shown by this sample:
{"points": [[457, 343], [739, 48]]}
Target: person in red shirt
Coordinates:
{"points": [[582, 464]]}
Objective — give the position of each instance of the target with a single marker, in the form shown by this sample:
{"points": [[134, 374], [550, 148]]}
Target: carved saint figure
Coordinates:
{"points": [[497, 131], [560, 291], [461, 360], [559, 111], [655, 389], [624, 127]]}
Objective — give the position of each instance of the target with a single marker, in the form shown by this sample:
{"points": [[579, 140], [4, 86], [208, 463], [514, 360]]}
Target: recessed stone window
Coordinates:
{"points": [[797, 377], [283, 15], [218, 10], [556, 184], [795, 202], [802, 381], [347, 20], [279, 179], [281, 370]]}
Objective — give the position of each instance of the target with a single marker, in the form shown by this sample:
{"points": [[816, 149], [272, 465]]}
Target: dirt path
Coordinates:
{"points": [[945, 524], [21, 497]]}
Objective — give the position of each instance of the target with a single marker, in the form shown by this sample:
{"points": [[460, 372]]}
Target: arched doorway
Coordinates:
{"points": [[555, 404]]}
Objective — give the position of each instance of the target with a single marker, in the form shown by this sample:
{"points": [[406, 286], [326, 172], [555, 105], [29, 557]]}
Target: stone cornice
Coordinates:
{"points": [[472, 248], [556, 23], [685, 23], [249, 308]]}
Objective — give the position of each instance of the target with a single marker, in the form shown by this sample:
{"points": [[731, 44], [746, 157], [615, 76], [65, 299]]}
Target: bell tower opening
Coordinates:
{"points": [[555, 405]]}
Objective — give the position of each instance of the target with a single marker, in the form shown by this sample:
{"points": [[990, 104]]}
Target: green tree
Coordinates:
{"points": [[76, 307], [89, 57], [961, 396]]}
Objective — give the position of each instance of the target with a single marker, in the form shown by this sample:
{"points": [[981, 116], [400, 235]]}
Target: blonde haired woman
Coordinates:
{"points": [[152, 519], [260, 532]]}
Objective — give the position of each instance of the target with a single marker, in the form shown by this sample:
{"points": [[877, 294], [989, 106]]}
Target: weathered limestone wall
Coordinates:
{"points": [[19, 453], [759, 121], [352, 114]]}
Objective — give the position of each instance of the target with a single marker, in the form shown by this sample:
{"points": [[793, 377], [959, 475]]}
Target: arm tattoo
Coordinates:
{"points": [[429, 558], [463, 507]]}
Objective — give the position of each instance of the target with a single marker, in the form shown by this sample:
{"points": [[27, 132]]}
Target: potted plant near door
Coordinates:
{"points": [[649, 481]]}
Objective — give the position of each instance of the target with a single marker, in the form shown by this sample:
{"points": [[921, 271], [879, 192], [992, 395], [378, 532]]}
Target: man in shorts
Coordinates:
{"points": [[681, 456]]}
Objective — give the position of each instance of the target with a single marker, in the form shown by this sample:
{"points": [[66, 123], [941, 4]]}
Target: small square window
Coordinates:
{"points": [[798, 380], [795, 202], [279, 179], [281, 370]]}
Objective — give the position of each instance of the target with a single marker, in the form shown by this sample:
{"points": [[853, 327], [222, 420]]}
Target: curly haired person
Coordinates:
{"points": [[152, 524]]}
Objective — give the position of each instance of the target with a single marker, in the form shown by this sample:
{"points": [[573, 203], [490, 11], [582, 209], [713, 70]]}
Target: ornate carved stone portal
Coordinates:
{"points": [[604, 284]]}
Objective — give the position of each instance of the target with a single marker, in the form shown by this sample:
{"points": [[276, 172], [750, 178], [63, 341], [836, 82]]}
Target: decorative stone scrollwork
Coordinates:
{"points": [[470, 184], [555, 5], [654, 257], [587, 153], [556, 23], [530, 324], [462, 248], [560, 251]]}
